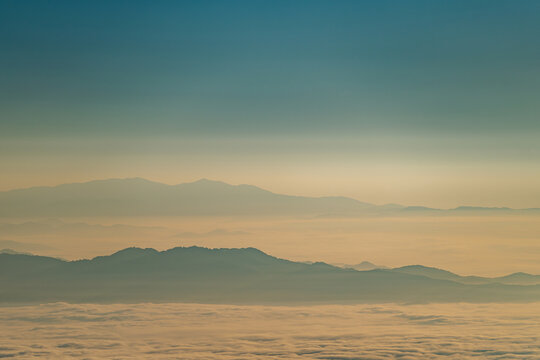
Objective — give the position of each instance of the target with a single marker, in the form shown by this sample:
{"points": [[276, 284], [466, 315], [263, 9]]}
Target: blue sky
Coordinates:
{"points": [[420, 102], [269, 66]]}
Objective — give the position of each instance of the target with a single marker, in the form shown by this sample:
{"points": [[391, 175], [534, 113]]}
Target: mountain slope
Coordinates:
{"points": [[439, 274], [140, 197], [133, 197], [197, 274]]}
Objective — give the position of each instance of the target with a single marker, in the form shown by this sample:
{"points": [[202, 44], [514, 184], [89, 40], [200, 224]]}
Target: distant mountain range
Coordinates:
{"points": [[196, 274], [134, 197], [519, 278], [140, 197]]}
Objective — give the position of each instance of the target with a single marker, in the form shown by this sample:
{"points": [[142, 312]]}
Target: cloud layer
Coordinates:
{"points": [[192, 331]]}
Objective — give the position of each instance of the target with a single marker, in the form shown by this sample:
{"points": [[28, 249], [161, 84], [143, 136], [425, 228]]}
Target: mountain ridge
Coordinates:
{"points": [[230, 275], [141, 197], [137, 196]]}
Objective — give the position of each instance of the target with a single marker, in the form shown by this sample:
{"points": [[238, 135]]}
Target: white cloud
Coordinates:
{"points": [[194, 331]]}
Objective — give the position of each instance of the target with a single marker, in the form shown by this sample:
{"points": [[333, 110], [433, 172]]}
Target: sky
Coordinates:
{"points": [[429, 103]]}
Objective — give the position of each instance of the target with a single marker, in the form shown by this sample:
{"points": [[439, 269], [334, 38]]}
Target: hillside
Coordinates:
{"points": [[246, 275], [133, 197]]}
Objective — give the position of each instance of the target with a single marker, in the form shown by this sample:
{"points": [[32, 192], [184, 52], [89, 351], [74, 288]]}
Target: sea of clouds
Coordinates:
{"points": [[329, 332]]}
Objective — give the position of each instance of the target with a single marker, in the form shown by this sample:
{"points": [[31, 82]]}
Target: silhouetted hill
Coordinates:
{"points": [[519, 278], [434, 273], [247, 275], [140, 197], [131, 197]]}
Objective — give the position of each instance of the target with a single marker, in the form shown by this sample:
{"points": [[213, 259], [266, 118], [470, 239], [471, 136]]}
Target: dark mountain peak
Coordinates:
{"points": [[518, 274], [425, 270], [134, 250], [520, 278], [128, 254], [187, 249], [323, 265], [215, 251], [198, 274], [418, 267]]}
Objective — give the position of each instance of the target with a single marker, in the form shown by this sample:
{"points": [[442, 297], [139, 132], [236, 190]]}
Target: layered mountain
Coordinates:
{"points": [[140, 197], [134, 197], [519, 278], [246, 275]]}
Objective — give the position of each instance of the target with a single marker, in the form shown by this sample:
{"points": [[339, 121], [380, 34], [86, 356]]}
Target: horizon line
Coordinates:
{"points": [[410, 207]]}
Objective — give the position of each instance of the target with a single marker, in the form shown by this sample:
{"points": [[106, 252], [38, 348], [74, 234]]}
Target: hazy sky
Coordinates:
{"points": [[418, 102]]}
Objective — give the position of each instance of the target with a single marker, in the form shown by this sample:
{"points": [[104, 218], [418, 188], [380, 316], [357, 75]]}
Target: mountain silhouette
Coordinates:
{"points": [[434, 273], [195, 274], [140, 197], [133, 197]]}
